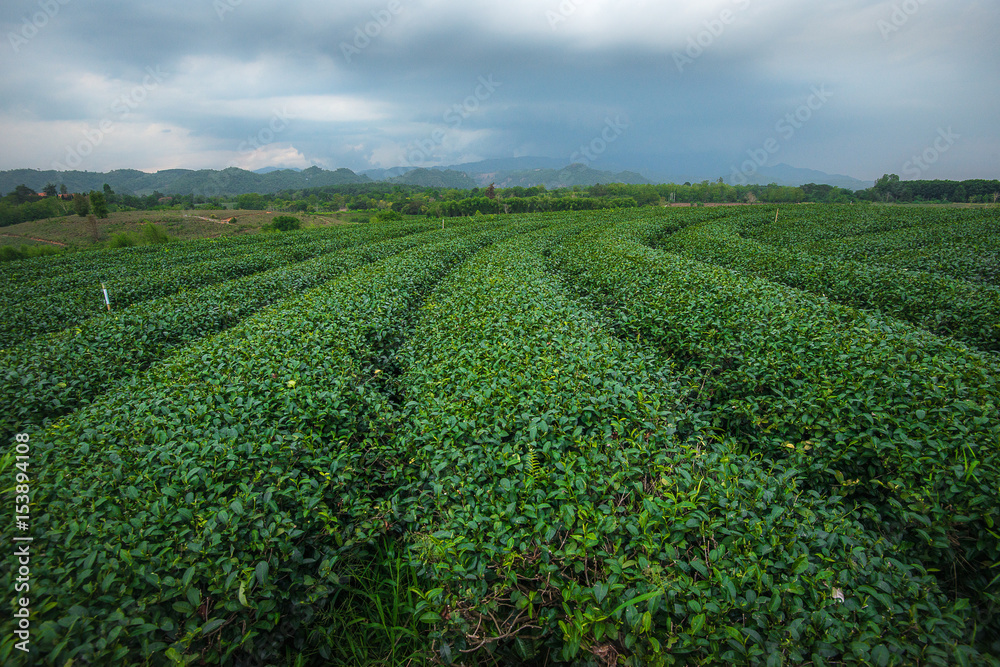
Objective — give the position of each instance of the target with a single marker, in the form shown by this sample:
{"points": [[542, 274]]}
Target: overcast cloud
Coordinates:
{"points": [[857, 87]]}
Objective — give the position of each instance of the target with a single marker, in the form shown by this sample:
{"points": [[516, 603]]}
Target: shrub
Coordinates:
{"points": [[123, 240], [387, 216], [153, 235], [283, 223], [9, 253]]}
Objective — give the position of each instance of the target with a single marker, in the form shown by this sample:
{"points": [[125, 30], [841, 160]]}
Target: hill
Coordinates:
{"points": [[434, 178], [209, 182], [574, 174]]}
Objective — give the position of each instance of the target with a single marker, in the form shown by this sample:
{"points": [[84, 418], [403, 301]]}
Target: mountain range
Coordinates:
{"points": [[503, 172]]}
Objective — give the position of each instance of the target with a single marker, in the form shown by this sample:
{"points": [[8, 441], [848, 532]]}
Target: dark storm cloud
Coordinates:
{"points": [[697, 88]]}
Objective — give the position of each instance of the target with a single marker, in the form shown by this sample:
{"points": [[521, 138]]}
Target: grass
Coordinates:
{"points": [[72, 232], [75, 232], [371, 620]]}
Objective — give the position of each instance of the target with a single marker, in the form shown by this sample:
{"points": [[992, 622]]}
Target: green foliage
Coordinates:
{"points": [[46, 297], [282, 223], [252, 202], [629, 535], [12, 214], [81, 205], [10, 253], [98, 205], [48, 377], [122, 240], [938, 303], [154, 235], [894, 418], [541, 439], [253, 493], [386, 216]]}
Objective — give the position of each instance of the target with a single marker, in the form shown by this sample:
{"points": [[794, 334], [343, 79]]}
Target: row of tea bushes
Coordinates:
{"points": [[937, 303], [973, 259], [53, 374], [200, 510], [860, 232], [867, 407], [555, 515], [58, 302], [961, 244], [72, 270]]}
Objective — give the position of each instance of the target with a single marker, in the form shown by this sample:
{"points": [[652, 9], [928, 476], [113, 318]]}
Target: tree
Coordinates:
{"points": [[888, 187], [959, 195], [92, 222], [996, 196], [81, 205], [109, 194], [22, 194], [63, 190], [50, 190], [283, 223], [98, 204], [251, 202], [491, 192]]}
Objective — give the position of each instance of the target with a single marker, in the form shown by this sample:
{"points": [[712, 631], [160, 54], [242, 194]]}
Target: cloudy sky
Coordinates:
{"points": [[856, 87]]}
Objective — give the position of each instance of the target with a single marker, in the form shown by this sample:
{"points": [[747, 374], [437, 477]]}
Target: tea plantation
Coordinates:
{"points": [[647, 437]]}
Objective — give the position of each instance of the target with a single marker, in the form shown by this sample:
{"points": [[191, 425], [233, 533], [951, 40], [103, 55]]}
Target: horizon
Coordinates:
{"points": [[860, 88], [450, 167]]}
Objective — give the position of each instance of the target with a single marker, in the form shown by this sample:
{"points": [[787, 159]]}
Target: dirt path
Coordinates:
{"points": [[32, 238], [201, 217]]}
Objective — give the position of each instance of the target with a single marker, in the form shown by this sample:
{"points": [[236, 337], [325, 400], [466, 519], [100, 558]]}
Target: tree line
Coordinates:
{"points": [[24, 205], [889, 188]]}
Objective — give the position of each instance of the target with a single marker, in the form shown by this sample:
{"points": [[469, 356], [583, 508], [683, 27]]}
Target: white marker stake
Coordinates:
{"points": [[106, 301]]}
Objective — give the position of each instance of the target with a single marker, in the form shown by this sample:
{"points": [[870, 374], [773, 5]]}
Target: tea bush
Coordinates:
{"points": [[566, 445], [51, 375], [867, 407], [937, 303], [554, 513], [69, 295]]}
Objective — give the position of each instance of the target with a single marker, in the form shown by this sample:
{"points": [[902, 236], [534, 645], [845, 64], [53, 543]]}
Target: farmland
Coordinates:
{"points": [[643, 436]]}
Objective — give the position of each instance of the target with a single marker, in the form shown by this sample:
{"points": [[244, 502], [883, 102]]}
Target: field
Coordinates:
{"points": [[691, 436], [75, 232]]}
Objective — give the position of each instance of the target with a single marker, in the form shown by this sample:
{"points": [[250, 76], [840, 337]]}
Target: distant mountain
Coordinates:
{"points": [[209, 182], [565, 177], [433, 178], [784, 174], [508, 164], [268, 170], [385, 174], [503, 172]]}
